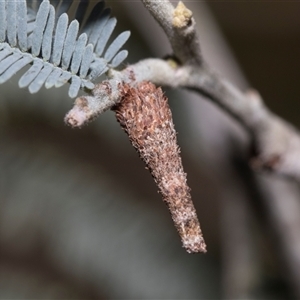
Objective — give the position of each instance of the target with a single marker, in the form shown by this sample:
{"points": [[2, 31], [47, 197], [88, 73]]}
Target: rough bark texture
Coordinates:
{"points": [[145, 115]]}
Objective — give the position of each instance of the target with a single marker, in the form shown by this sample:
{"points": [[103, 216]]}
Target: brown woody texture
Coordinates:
{"points": [[145, 116]]}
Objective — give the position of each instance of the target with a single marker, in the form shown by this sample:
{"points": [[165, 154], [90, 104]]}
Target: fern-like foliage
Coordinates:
{"points": [[58, 51]]}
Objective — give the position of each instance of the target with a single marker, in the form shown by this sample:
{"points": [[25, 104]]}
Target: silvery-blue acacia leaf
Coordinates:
{"points": [[59, 51]]}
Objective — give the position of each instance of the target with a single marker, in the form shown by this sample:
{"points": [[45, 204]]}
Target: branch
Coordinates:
{"points": [[277, 143], [179, 26]]}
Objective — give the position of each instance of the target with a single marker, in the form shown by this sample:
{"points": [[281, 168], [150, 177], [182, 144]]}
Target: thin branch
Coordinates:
{"points": [[277, 142], [179, 26]]}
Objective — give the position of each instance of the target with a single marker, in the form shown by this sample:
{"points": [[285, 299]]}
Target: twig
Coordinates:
{"points": [[276, 141], [179, 26]]}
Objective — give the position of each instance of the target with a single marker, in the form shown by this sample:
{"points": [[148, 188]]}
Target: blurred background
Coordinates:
{"points": [[80, 217]]}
